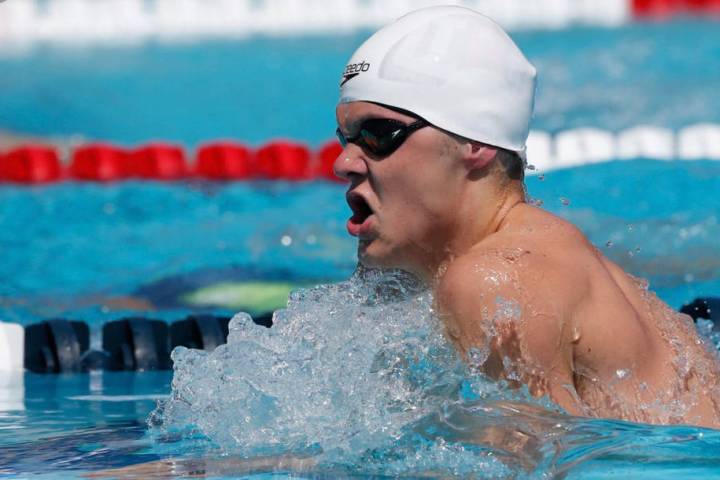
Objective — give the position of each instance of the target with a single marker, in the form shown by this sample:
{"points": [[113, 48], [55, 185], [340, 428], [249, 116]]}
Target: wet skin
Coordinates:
{"points": [[521, 291]]}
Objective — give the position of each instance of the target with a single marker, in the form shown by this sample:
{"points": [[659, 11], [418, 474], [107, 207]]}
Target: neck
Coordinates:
{"points": [[476, 221]]}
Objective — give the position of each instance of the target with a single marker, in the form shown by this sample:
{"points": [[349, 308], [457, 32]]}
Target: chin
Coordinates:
{"points": [[371, 254], [375, 254]]}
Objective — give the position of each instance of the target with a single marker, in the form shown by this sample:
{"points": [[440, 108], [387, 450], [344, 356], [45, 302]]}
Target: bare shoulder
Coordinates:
{"points": [[489, 287], [474, 280], [534, 247], [530, 270]]}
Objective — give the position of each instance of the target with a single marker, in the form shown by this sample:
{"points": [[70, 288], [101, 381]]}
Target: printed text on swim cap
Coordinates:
{"points": [[353, 70]]}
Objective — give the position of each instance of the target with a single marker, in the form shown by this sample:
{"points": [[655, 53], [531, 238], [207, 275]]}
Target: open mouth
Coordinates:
{"points": [[360, 208]]}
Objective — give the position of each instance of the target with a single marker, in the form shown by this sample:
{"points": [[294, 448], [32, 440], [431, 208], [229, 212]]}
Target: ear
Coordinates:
{"points": [[478, 155]]}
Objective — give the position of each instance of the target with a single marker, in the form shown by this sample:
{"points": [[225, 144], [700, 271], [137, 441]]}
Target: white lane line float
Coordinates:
{"points": [[127, 21]]}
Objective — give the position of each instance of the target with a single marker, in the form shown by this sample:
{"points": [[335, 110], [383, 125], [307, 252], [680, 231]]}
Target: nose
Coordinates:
{"points": [[349, 164]]}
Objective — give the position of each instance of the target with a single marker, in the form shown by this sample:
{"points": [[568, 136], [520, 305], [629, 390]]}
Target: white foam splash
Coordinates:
{"points": [[347, 369]]}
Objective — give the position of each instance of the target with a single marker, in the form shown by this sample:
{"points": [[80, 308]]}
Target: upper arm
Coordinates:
{"points": [[489, 303], [468, 295]]}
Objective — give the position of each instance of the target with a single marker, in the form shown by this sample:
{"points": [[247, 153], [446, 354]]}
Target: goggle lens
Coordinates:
{"points": [[381, 136]]}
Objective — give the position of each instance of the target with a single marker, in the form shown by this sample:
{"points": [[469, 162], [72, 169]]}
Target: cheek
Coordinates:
{"points": [[412, 200]]}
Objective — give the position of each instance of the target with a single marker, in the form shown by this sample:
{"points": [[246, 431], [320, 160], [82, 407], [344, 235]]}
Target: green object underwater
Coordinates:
{"points": [[252, 296]]}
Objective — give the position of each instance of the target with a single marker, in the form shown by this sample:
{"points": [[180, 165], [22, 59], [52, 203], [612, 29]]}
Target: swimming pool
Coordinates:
{"points": [[70, 246]]}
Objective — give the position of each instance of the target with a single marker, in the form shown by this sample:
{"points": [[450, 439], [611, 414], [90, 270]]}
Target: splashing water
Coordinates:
{"points": [[359, 376]]}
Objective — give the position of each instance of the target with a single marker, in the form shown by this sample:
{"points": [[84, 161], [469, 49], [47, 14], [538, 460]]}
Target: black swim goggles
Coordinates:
{"points": [[380, 137]]}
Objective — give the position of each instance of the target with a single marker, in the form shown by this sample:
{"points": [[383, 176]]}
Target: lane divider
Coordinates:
{"points": [[221, 161], [113, 21], [141, 344], [73, 21], [12, 341], [128, 344], [584, 146], [294, 161], [667, 8], [224, 161]]}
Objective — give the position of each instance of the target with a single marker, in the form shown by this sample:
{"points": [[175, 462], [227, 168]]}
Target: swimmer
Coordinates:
{"points": [[433, 115]]}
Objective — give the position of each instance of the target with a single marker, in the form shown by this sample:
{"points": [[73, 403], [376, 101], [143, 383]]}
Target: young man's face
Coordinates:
{"points": [[405, 205]]}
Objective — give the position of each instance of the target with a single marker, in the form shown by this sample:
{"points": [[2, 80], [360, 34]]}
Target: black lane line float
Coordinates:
{"points": [[137, 343], [56, 346], [130, 344], [204, 332]]}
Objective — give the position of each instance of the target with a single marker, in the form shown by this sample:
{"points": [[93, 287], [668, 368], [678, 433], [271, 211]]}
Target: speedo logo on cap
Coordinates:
{"points": [[353, 70]]}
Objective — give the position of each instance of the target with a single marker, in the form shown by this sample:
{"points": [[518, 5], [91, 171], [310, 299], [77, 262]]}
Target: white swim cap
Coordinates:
{"points": [[453, 67]]}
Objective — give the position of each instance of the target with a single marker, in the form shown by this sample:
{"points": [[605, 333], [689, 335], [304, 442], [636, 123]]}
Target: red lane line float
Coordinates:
{"points": [[31, 164], [100, 162], [224, 161], [709, 6], [326, 159], [666, 8], [158, 161], [656, 8], [283, 160], [221, 160]]}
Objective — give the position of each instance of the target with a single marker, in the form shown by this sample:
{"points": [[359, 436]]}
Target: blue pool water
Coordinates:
{"points": [[69, 249], [72, 245], [664, 230], [658, 74]]}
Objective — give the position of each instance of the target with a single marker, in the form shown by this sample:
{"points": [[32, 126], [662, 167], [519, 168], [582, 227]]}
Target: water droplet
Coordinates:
{"points": [[609, 244], [564, 201], [286, 240], [630, 227], [576, 334], [689, 278], [541, 177], [637, 249], [477, 357], [311, 240], [622, 373]]}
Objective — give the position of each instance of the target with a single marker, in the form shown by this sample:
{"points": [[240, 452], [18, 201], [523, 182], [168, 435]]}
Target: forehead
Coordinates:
{"points": [[349, 114]]}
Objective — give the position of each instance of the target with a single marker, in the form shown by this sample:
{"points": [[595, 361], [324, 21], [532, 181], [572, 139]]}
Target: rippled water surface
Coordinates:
{"points": [[662, 74], [358, 387], [355, 379]]}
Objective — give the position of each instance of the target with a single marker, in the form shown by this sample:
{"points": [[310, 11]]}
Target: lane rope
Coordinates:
{"points": [[294, 161], [103, 21]]}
